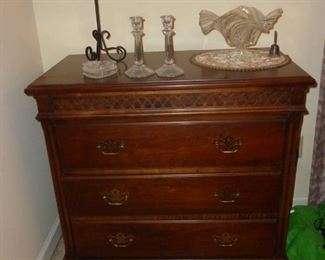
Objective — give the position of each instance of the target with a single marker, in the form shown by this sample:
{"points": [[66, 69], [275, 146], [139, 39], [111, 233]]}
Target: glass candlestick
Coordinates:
{"points": [[169, 69], [139, 69]]}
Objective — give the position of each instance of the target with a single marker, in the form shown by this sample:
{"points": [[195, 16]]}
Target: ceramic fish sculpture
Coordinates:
{"points": [[242, 26]]}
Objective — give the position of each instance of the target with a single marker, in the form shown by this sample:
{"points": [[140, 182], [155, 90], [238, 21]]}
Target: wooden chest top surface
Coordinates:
{"points": [[66, 77]]}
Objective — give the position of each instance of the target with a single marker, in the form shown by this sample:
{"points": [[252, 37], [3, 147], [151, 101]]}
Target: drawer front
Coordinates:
{"points": [[175, 240], [159, 146], [172, 195]]}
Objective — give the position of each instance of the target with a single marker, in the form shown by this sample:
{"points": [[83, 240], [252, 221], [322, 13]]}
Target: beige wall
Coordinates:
{"points": [[27, 207], [65, 27]]}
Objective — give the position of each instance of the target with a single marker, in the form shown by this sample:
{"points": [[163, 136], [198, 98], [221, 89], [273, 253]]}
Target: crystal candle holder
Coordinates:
{"points": [[139, 69], [169, 69]]}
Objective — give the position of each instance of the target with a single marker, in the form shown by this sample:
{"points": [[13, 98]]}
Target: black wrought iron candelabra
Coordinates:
{"points": [[101, 37]]}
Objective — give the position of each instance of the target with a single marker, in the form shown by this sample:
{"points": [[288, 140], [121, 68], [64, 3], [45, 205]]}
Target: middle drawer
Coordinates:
{"points": [[155, 195]]}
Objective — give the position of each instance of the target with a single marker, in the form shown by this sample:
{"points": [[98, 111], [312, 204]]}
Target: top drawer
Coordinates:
{"points": [[171, 147]]}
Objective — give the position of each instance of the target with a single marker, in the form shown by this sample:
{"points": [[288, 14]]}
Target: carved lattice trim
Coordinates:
{"points": [[154, 102]]}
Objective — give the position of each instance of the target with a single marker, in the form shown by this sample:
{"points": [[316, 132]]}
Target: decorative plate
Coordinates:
{"points": [[238, 60]]}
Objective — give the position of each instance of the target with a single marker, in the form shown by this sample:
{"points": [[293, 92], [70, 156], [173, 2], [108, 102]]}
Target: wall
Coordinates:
{"points": [[65, 27], [27, 207]]}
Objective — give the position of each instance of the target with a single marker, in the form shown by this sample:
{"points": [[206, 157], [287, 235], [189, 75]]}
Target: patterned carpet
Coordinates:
{"points": [[59, 251]]}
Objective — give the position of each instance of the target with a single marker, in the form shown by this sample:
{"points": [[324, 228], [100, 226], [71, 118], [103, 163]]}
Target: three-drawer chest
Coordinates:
{"points": [[197, 167]]}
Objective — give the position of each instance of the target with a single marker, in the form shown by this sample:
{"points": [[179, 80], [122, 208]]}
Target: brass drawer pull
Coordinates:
{"points": [[225, 239], [228, 144], [115, 197], [226, 196], [111, 147], [121, 240]]}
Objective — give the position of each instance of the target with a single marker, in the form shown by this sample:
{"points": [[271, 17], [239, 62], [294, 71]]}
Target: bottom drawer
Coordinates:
{"points": [[190, 239]]}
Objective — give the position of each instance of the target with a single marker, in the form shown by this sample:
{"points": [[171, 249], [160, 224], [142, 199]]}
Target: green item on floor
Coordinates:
{"points": [[304, 241]]}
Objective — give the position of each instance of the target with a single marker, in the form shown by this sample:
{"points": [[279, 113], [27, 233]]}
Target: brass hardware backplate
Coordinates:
{"points": [[111, 147], [226, 195], [115, 197], [225, 239], [229, 144], [121, 240]]}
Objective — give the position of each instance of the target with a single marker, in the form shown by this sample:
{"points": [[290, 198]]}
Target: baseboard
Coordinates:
{"points": [[51, 241], [300, 201]]}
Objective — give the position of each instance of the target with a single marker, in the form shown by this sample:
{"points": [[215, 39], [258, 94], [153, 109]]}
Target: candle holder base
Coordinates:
{"points": [[139, 71], [169, 71], [99, 69]]}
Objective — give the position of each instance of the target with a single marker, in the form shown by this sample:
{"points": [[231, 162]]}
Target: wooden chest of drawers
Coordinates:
{"points": [[198, 167]]}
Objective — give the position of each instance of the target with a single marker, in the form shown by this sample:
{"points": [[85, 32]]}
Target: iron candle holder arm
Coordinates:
{"points": [[120, 51], [100, 37], [90, 54]]}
